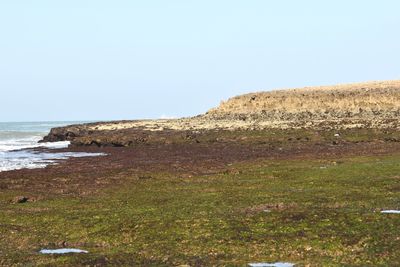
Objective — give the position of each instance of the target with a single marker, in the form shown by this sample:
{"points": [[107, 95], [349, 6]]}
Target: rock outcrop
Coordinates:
{"points": [[352, 101]]}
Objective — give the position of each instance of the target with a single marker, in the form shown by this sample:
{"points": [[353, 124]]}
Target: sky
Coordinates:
{"points": [[129, 59]]}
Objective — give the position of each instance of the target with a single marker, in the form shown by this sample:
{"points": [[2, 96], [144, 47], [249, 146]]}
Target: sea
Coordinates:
{"points": [[18, 141]]}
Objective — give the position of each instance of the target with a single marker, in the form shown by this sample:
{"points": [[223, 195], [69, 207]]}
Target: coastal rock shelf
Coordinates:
{"points": [[354, 106], [212, 190]]}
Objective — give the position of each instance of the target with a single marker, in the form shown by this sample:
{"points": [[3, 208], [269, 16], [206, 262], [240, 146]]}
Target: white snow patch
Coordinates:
{"points": [[276, 264], [62, 251], [391, 211]]}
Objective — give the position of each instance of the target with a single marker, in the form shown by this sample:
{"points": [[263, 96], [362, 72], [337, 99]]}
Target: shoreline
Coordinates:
{"points": [[213, 190], [112, 206], [218, 149], [373, 105]]}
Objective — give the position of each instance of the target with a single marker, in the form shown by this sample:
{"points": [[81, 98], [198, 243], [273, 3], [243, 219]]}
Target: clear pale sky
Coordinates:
{"points": [[101, 60]]}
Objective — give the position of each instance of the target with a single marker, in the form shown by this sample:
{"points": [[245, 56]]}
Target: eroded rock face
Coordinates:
{"points": [[65, 133], [71, 132], [340, 101]]}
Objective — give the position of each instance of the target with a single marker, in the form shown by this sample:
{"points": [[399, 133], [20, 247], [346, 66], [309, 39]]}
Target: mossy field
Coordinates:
{"points": [[311, 211]]}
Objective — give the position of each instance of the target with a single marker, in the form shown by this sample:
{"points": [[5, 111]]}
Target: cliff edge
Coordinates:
{"points": [[359, 100]]}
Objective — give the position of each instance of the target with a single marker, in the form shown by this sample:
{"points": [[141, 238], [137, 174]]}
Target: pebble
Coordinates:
{"points": [[20, 199]]}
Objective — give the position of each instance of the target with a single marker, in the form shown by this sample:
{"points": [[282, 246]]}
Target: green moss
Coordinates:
{"points": [[318, 216]]}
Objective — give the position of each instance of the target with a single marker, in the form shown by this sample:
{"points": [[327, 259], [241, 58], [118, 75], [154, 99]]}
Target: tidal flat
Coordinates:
{"points": [[201, 202]]}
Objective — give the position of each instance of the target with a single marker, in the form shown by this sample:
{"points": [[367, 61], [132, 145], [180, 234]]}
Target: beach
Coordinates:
{"points": [[229, 187], [199, 133], [216, 198]]}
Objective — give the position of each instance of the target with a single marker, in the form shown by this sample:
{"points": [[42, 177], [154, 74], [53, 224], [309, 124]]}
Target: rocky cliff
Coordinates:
{"points": [[356, 101]]}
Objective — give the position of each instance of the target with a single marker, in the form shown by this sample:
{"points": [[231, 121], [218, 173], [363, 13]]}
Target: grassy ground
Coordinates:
{"points": [[322, 213]]}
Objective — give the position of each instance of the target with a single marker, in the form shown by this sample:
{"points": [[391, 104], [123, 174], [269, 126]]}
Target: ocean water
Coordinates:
{"points": [[17, 140]]}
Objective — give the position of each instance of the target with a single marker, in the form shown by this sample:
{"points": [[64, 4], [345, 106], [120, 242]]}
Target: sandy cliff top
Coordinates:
{"points": [[381, 96]]}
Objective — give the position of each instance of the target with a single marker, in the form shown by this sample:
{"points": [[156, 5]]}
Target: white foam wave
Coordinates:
{"points": [[18, 139], [26, 159], [29, 142], [55, 145]]}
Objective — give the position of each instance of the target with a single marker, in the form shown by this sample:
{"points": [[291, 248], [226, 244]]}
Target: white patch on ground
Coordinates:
{"points": [[62, 251], [28, 159], [391, 211], [276, 264]]}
